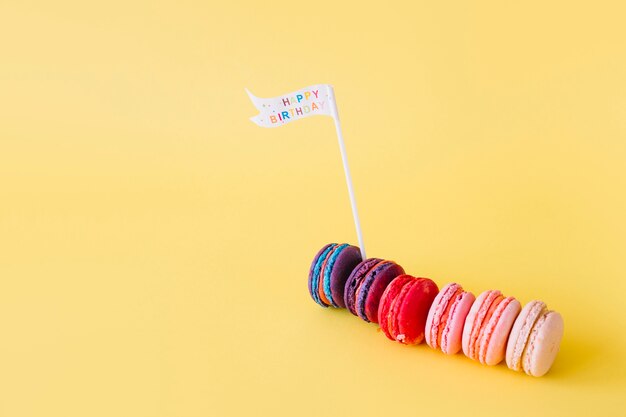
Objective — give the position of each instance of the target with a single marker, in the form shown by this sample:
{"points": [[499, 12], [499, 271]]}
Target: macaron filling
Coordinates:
{"points": [[445, 334], [320, 284], [445, 319], [394, 312], [313, 263], [489, 327], [315, 277], [364, 289], [524, 333], [387, 300], [354, 281], [484, 309], [435, 318], [442, 311], [484, 324], [528, 352]]}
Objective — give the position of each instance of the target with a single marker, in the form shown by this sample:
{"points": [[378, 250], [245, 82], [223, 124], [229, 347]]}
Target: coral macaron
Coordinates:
{"points": [[329, 271], [535, 339], [446, 318], [404, 307], [488, 325], [366, 285]]}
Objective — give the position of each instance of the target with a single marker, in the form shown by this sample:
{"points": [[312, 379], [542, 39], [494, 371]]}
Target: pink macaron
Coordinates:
{"points": [[488, 325], [446, 318], [535, 339]]}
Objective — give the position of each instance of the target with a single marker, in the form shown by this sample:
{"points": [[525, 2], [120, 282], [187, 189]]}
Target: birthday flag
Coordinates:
{"points": [[314, 100], [309, 101]]}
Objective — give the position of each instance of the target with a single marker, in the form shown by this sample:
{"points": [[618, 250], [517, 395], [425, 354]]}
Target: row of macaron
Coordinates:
{"points": [[488, 328]]}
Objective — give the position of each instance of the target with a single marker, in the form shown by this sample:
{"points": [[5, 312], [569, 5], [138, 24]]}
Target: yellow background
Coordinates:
{"points": [[155, 244]]}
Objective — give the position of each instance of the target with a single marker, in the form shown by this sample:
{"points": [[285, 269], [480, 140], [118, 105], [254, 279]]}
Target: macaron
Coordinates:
{"points": [[404, 308], [535, 339], [366, 285], [329, 271], [488, 325], [446, 318], [354, 281]]}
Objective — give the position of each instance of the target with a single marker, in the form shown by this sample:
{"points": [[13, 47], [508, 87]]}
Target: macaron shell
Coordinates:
{"points": [[453, 331], [354, 280], [312, 268], [474, 320], [488, 327], [376, 289], [394, 311], [315, 272], [521, 331], [436, 312], [326, 266], [364, 285], [497, 342], [543, 344], [335, 278], [413, 312], [469, 323], [387, 299]]}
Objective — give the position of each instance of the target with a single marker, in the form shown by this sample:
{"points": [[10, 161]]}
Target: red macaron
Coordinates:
{"points": [[404, 307]]}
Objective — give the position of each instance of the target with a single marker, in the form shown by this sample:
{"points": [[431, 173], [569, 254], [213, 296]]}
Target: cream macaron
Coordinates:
{"points": [[535, 339]]}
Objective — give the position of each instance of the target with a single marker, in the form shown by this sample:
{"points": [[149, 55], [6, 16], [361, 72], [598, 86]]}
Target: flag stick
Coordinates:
{"points": [[346, 169]]}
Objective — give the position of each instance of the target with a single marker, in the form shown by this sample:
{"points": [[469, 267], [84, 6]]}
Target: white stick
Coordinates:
{"points": [[346, 169]]}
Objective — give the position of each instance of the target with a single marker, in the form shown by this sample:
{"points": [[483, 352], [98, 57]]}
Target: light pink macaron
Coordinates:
{"points": [[535, 339], [488, 325], [446, 318]]}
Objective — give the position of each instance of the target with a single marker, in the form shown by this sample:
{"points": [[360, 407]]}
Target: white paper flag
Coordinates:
{"points": [[314, 100], [309, 101]]}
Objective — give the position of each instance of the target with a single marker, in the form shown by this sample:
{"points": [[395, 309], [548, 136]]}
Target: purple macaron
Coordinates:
{"points": [[366, 285], [354, 281], [329, 271]]}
